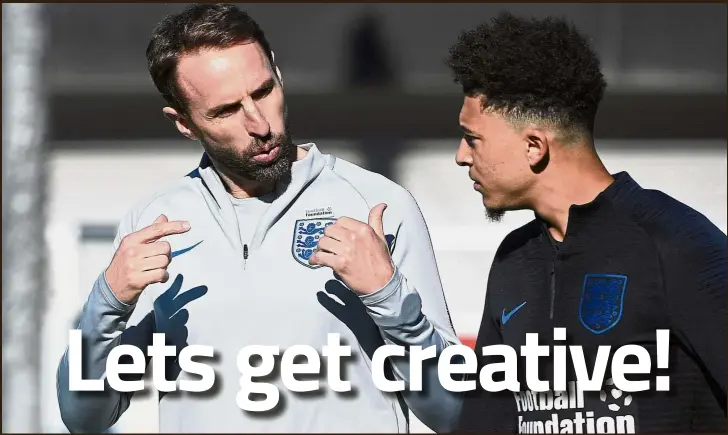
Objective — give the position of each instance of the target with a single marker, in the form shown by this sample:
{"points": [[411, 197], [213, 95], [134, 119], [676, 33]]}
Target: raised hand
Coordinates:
{"points": [[142, 259], [357, 252]]}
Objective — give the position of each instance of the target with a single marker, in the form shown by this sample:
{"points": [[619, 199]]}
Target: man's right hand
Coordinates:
{"points": [[142, 259]]}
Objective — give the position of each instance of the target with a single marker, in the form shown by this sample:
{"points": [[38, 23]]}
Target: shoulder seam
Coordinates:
{"points": [[149, 201], [394, 184], [346, 180], [631, 218]]}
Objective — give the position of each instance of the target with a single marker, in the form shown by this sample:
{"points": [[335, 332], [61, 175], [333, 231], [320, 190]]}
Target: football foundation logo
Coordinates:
{"points": [[575, 411], [614, 397]]}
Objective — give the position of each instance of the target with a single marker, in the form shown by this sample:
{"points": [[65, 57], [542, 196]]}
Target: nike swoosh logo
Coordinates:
{"points": [[185, 250], [506, 317], [391, 242]]}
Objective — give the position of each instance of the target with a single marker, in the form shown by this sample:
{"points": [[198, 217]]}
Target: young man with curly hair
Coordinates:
{"points": [[605, 259]]}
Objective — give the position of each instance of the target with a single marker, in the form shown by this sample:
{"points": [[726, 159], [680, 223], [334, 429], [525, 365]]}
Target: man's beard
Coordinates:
{"points": [[494, 214], [243, 165]]}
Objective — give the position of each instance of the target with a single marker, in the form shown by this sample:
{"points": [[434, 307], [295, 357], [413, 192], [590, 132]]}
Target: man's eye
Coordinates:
{"points": [[227, 111], [470, 140]]}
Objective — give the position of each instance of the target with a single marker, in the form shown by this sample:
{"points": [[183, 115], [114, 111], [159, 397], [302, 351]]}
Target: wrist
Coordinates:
{"points": [[125, 299], [383, 277], [385, 291]]}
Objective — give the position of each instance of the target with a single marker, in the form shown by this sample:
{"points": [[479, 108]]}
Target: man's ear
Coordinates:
{"points": [[180, 122], [538, 143]]}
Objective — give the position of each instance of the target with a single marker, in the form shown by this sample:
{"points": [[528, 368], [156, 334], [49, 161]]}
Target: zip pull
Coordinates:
{"points": [[245, 256]]}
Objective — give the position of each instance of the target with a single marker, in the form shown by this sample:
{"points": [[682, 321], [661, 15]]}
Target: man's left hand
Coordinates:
{"points": [[357, 252]]}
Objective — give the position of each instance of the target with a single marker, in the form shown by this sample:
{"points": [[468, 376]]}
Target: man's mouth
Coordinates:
{"points": [[268, 156]]}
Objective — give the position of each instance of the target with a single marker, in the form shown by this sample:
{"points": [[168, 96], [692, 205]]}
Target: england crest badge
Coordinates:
{"points": [[306, 235], [602, 302]]}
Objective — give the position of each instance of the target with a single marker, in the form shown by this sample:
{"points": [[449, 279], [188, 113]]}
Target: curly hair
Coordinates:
{"points": [[531, 70], [197, 27]]}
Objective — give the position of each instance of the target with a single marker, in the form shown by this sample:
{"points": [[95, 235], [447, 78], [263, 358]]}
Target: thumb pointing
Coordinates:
{"points": [[375, 220]]}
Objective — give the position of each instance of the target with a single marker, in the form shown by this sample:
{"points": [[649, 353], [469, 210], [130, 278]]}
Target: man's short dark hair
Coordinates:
{"points": [[530, 69], [200, 26]]}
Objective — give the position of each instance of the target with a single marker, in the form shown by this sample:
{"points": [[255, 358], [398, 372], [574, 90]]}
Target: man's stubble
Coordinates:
{"points": [[242, 164]]}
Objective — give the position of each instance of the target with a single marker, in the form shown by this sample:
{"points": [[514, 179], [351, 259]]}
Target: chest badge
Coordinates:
{"points": [[306, 235], [602, 302]]}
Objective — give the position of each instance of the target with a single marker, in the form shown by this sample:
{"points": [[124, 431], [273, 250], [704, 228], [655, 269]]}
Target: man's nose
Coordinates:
{"points": [[255, 123], [463, 157]]}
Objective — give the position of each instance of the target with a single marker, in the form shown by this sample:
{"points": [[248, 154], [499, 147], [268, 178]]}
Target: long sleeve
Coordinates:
{"points": [[694, 270], [484, 411], [411, 311], [105, 323]]}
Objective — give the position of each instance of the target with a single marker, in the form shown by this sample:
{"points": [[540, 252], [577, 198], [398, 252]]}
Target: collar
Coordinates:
{"points": [[622, 186], [618, 191], [303, 172]]}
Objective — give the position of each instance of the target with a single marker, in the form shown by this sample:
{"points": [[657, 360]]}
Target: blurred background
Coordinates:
{"points": [[84, 138]]}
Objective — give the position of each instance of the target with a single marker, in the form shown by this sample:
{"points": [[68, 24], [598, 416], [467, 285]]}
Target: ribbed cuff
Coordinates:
{"points": [[103, 286], [394, 284]]}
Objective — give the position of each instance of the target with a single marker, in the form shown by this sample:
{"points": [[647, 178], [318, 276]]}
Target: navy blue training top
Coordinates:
{"points": [[633, 261]]}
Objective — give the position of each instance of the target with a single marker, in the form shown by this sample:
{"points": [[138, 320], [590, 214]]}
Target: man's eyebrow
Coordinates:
{"points": [[258, 92], [264, 87], [466, 130]]}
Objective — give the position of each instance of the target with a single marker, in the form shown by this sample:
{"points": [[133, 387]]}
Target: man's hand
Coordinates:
{"points": [[357, 252], [142, 259]]}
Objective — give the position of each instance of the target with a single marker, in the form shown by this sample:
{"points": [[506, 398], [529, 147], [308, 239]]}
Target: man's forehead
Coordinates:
{"points": [[472, 105], [471, 110], [248, 56], [212, 72]]}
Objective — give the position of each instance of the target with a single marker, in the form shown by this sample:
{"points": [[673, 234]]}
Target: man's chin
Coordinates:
{"points": [[494, 214], [278, 170]]}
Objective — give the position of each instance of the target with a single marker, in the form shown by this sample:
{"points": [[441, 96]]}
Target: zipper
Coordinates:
{"points": [[553, 283], [245, 256]]}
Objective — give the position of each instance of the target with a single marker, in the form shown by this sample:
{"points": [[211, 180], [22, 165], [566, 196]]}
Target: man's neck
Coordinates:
{"points": [[577, 180], [241, 188]]}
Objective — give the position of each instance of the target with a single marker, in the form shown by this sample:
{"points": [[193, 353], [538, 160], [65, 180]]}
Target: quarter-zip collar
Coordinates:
{"points": [[303, 172], [601, 207]]}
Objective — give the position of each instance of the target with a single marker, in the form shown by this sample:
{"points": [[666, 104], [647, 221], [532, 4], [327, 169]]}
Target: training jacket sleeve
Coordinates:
{"points": [[484, 411], [105, 323], [694, 268], [411, 311]]}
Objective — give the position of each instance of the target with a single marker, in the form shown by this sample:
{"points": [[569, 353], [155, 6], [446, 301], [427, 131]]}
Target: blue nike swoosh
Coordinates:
{"points": [[391, 242], [182, 251], [506, 317]]}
